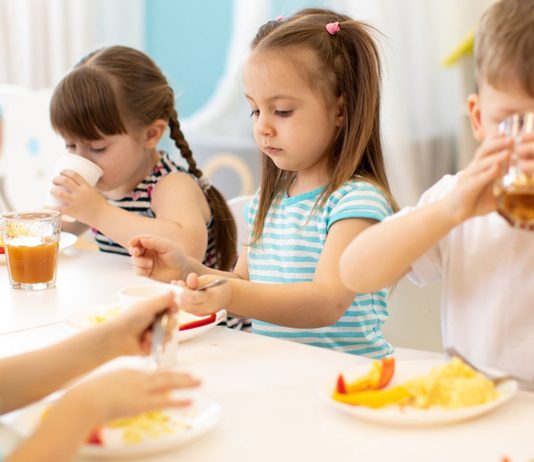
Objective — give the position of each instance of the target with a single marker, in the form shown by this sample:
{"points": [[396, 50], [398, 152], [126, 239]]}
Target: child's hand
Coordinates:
{"points": [[202, 303], [157, 258], [130, 333], [128, 392], [525, 152], [473, 194], [80, 200]]}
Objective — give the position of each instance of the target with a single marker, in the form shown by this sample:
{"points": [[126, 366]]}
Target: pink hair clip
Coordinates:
{"points": [[333, 28], [280, 18]]}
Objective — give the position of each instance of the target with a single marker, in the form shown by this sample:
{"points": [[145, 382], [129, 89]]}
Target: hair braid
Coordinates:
{"points": [[182, 145], [224, 227]]}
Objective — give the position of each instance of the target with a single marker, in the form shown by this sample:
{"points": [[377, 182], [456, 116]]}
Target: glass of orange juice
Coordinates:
{"points": [[514, 189], [31, 242]]}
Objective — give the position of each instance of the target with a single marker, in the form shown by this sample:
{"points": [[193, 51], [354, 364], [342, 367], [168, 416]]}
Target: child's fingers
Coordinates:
{"points": [[485, 162], [156, 244], [526, 138], [525, 150], [193, 297], [162, 381], [142, 266], [136, 251], [493, 145], [192, 280], [73, 177]]}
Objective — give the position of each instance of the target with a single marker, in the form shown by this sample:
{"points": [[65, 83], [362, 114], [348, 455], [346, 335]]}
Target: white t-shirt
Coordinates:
{"points": [[487, 270]]}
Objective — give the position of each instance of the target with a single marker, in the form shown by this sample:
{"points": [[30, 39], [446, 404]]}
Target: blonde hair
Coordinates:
{"points": [[118, 87], [504, 45], [348, 67]]}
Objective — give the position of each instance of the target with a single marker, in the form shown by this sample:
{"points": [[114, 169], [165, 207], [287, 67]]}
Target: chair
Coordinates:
{"points": [[29, 147], [238, 206]]}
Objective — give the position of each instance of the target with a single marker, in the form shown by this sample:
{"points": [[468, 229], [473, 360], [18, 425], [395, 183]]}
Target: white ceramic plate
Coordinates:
{"points": [[83, 319], [409, 416], [65, 240], [191, 422]]}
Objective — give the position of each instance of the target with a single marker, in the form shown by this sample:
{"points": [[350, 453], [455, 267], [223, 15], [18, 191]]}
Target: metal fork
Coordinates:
{"points": [[496, 379]]}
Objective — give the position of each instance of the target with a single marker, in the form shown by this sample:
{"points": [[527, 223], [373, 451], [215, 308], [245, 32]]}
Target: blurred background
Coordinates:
{"points": [[200, 46]]}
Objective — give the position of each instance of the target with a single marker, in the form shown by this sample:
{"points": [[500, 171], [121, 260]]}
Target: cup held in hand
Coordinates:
{"points": [[89, 171], [514, 189]]}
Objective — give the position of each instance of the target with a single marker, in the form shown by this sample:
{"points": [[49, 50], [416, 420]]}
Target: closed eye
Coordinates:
{"points": [[255, 113], [283, 113], [98, 150]]}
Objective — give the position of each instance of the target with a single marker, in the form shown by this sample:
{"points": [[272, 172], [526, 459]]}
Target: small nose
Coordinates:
{"points": [[263, 127]]}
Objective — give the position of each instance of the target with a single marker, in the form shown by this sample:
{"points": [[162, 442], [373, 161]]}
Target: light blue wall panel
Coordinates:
{"points": [[189, 41], [288, 7]]}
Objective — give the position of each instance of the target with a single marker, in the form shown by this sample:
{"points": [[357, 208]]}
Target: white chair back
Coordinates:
{"points": [[29, 148], [238, 206]]}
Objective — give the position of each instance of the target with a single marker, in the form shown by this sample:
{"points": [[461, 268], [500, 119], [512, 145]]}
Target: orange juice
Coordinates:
{"points": [[32, 264]]}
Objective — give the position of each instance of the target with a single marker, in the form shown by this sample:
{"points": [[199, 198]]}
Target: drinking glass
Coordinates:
{"points": [[31, 242], [514, 189]]}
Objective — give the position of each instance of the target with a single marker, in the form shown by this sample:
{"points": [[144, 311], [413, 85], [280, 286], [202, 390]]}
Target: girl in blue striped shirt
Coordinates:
{"points": [[313, 84]]}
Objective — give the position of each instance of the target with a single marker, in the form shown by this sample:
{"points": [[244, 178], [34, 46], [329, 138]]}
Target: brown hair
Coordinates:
{"points": [[118, 87], [504, 45], [348, 67]]}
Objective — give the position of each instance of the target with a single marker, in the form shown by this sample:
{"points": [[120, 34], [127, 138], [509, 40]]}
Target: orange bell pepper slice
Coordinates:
{"points": [[374, 398], [377, 378]]}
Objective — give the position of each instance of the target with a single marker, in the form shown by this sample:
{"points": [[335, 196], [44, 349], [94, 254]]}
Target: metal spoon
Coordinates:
{"points": [[215, 283], [495, 378], [158, 336]]}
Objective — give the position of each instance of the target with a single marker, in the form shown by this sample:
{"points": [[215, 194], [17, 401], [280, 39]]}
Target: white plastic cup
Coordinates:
{"points": [[89, 171]]}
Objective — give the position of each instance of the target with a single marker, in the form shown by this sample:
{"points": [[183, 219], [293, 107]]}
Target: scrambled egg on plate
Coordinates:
{"points": [[453, 385], [102, 314], [151, 424]]}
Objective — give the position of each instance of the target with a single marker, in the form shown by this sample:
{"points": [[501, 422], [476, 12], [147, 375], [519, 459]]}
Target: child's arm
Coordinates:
{"points": [[318, 303], [96, 401], [30, 376], [164, 260], [383, 254], [178, 202], [74, 227]]}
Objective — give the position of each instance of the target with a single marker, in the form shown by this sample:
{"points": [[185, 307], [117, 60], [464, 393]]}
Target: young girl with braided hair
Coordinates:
{"points": [[113, 108], [313, 85]]}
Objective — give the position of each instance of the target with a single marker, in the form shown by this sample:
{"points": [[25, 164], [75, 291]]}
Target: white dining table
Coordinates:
{"points": [[269, 390]]}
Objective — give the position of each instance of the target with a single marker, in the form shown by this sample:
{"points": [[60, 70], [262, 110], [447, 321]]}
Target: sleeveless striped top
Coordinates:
{"points": [[289, 250], [139, 201]]}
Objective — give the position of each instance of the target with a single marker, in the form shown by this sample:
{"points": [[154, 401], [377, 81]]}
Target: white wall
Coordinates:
{"points": [[414, 320]]}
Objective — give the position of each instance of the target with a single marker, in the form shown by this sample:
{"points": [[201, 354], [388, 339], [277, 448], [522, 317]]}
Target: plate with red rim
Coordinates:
{"points": [[397, 415], [185, 424], [66, 240], [189, 325]]}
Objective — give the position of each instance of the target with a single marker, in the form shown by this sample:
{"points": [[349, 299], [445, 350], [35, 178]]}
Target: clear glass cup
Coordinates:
{"points": [[31, 242], [514, 189]]}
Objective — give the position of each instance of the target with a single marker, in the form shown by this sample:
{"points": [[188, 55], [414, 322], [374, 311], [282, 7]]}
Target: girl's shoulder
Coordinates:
{"points": [[357, 187], [359, 195], [166, 164]]}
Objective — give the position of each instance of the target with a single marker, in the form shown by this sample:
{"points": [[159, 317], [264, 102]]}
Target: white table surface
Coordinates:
{"points": [[85, 278], [269, 389]]}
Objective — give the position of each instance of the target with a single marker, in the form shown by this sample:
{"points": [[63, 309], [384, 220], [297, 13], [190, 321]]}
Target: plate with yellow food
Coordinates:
{"points": [[188, 325], [141, 435], [418, 392]]}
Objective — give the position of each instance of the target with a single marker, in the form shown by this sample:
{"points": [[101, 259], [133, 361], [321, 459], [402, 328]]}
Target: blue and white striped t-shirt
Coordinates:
{"points": [[289, 251]]}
